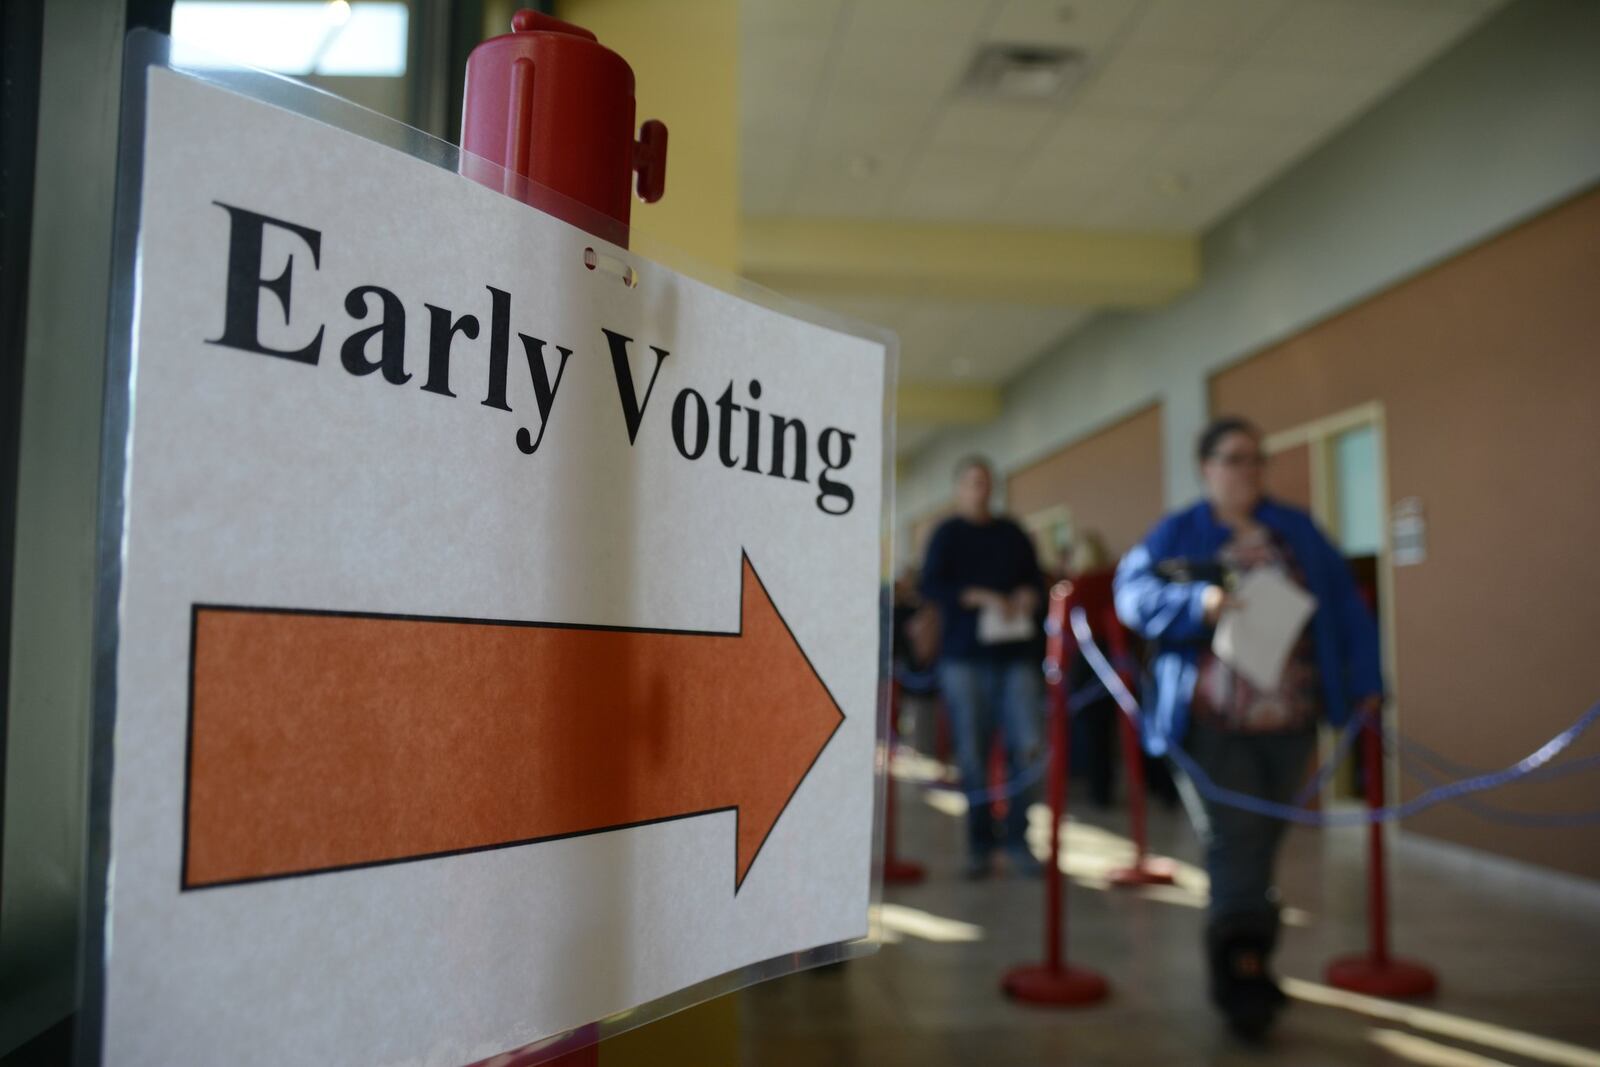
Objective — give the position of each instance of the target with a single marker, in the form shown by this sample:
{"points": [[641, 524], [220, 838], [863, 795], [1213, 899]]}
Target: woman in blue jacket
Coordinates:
{"points": [[1173, 588]]}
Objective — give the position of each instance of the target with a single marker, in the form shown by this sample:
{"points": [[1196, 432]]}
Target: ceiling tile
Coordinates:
{"points": [[1155, 88], [984, 128], [767, 166], [814, 18], [1193, 205], [926, 329], [1002, 339], [1083, 24], [1338, 35], [1140, 206], [828, 185], [1267, 93], [1080, 152], [782, 64], [875, 134], [916, 20], [1208, 145], [1208, 30], [951, 185], [865, 66]]}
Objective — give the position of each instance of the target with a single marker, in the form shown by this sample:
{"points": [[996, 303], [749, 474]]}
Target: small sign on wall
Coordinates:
{"points": [[1408, 532]]}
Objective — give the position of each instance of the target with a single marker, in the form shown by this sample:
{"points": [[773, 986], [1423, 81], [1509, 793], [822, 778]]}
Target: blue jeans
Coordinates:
{"points": [[1241, 847], [983, 695]]}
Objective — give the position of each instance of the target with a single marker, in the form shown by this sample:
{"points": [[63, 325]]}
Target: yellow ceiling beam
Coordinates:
{"points": [[947, 405], [1011, 264]]}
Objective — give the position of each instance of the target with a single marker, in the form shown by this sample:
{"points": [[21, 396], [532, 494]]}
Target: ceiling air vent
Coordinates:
{"points": [[1024, 73]]}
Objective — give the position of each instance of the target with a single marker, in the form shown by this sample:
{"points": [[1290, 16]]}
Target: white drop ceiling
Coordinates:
{"points": [[850, 109]]}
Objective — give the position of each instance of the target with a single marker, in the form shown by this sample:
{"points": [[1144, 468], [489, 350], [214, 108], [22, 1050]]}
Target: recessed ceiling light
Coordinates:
{"points": [[1024, 73], [367, 39]]}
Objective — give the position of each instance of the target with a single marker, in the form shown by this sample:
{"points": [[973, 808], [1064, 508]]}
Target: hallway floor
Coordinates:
{"points": [[1518, 959]]}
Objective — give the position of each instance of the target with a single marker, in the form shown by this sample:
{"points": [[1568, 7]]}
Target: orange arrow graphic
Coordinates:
{"points": [[323, 741]]}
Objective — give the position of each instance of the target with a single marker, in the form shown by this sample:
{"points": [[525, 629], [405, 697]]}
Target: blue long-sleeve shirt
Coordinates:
{"points": [[1172, 614], [995, 555]]}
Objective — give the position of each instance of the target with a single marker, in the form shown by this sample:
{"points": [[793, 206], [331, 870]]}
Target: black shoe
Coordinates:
{"points": [[1239, 949], [1254, 1000]]}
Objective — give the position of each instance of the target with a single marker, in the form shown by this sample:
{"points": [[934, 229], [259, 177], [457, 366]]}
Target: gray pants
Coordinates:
{"points": [[1241, 847]]}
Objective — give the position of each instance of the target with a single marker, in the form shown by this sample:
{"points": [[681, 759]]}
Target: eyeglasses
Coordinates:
{"points": [[1237, 460]]}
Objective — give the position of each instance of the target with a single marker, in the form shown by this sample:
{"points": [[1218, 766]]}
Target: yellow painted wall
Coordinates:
{"points": [[684, 55]]}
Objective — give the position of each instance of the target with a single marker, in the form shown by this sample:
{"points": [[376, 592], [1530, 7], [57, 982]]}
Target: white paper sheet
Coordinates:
{"points": [[1255, 635], [995, 627], [279, 483]]}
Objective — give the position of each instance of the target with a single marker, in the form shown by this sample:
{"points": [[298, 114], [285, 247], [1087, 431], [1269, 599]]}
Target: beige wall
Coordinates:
{"points": [[1111, 481], [1489, 373], [1288, 476]]}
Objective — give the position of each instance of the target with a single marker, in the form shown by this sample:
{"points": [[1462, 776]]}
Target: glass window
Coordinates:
{"points": [[1358, 491], [299, 37]]}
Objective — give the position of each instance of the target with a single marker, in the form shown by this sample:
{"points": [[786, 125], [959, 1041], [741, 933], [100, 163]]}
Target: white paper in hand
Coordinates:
{"points": [[995, 627], [1255, 636]]}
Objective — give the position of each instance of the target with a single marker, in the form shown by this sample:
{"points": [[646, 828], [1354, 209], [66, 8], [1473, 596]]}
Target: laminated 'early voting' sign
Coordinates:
{"points": [[497, 643]]}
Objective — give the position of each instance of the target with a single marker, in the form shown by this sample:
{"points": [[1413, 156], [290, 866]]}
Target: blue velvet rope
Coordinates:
{"points": [[1536, 763]]}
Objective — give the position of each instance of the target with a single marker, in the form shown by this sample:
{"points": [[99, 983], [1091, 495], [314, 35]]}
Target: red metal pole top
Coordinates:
{"points": [[549, 104]]}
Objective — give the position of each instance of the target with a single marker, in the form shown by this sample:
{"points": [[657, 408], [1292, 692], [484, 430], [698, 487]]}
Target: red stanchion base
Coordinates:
{"points": [[1395, 979], [1150, 872], [1036, 983], [902, 872]]}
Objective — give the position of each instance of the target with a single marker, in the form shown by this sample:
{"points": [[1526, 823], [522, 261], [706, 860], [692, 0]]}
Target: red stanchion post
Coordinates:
{"points": [[1144, 870], [896, 871], [1055, 981], [547, 117], [1376, 973]]}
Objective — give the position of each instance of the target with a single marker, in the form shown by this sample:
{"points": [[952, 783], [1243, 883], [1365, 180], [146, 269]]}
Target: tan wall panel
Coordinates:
{"points": [[1288, 476], [1110, 480], [1490, 378]]}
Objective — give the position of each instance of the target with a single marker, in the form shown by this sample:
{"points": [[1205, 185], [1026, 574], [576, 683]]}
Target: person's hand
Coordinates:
{"points": [[1022, 602], [977, 598], [1213, 602]]}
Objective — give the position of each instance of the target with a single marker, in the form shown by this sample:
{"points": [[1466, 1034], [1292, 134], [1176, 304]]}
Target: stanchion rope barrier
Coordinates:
{"points": [[1535, 764], [1417, 754]]}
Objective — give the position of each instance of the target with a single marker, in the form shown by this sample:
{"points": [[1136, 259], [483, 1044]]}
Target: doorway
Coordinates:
{"points": [[1334, 467]]}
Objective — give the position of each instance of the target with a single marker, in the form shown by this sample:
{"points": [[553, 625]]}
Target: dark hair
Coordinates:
{"points": [[1221, 427], [966, 463]]}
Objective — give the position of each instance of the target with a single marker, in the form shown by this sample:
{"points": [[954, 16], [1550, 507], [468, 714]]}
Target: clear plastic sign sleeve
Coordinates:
{"points": [[493, 621]]}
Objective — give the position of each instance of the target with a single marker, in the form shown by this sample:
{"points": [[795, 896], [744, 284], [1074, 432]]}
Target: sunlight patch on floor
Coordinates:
{"points": [[1427, 1052], [896, 922], [1456, 1027]]}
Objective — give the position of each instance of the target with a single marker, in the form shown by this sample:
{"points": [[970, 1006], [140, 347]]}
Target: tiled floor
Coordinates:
{"points": [[1519, 965]]}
